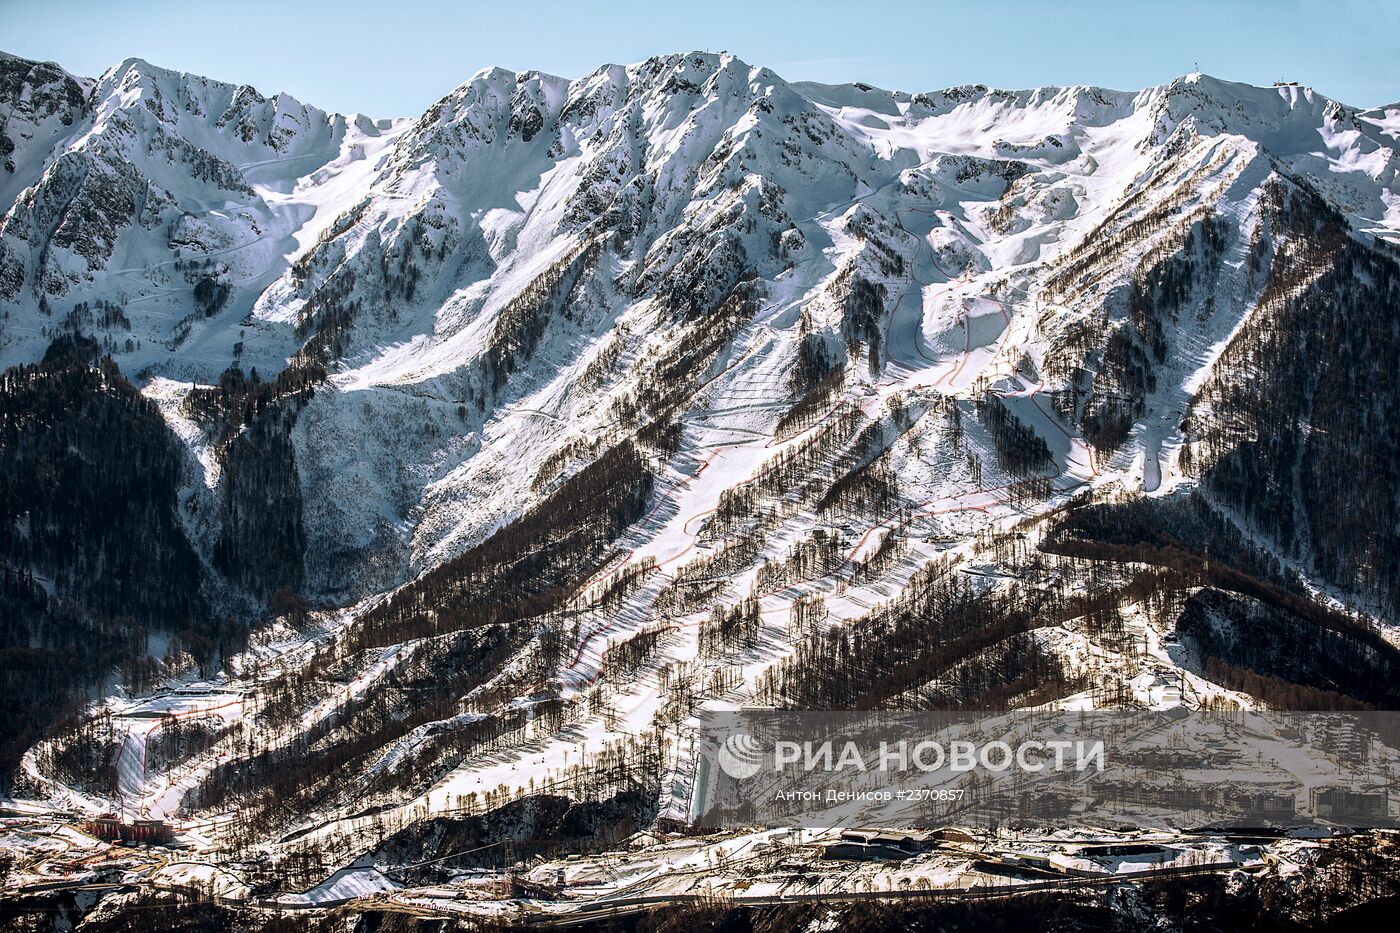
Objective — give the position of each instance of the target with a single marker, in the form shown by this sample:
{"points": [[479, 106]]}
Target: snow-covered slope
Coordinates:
{"points": [[722, 362], [134, 189]]}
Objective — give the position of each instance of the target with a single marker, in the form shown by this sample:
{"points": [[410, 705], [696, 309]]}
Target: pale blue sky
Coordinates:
{"points": [[395, 57]]}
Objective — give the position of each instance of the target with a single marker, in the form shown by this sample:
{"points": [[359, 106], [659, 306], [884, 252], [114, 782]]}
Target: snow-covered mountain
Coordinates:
{"points": [[592, 403], [192, 225]]}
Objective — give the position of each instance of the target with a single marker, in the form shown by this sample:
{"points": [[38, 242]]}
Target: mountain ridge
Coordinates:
{"points": [[590, 404], [417, 153]]}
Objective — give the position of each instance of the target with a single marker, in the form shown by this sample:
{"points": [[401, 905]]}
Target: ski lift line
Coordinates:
{"points": [[443, 858]]}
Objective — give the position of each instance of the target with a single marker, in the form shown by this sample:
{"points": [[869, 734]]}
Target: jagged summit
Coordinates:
{"points": [[637, 138]]}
